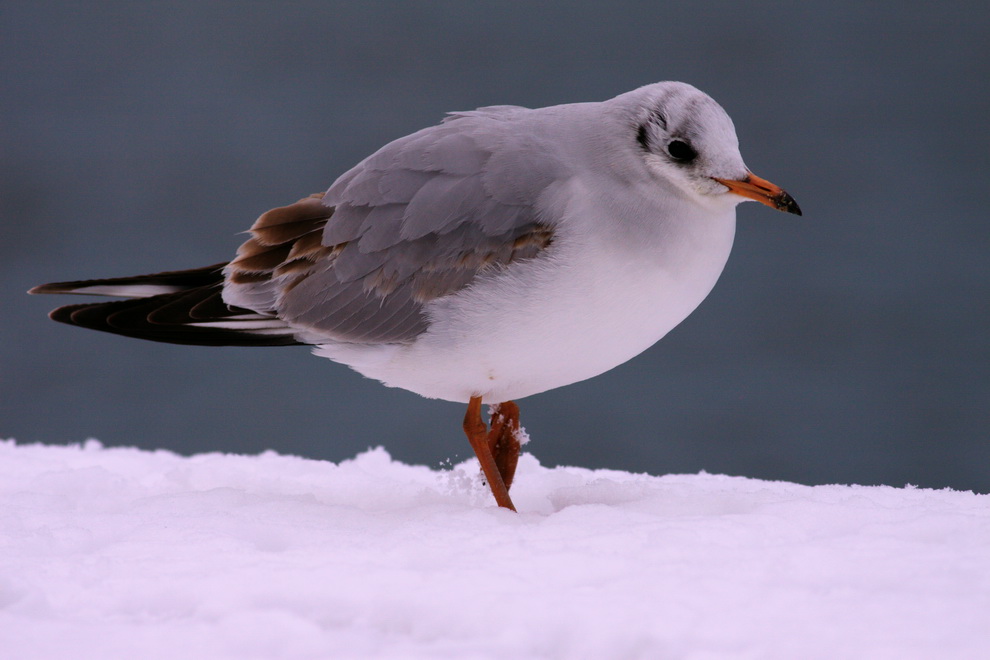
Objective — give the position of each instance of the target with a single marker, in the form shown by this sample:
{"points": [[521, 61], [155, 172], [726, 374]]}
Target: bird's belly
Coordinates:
{"points": [[543, 324]]}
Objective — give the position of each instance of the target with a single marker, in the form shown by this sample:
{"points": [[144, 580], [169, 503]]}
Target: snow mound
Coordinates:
{"points": [[123, 553]]}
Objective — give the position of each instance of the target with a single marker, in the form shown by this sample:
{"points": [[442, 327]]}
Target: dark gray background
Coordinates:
{"points": [[849, 345]]}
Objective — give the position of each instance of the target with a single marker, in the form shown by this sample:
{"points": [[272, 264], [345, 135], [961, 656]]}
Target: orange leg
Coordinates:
{"points": [[478, 436], [504, 441]]}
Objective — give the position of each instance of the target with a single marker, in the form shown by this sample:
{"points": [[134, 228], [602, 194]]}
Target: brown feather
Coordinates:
{"points": [[260, 259], [288, 231], [307, 208]]}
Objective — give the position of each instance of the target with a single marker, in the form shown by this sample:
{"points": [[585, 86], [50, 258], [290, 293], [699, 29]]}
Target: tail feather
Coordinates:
{"points": [[176, 307]]}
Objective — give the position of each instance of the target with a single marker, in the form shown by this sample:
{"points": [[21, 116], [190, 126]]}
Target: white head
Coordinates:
{"points": [[687, 139]]}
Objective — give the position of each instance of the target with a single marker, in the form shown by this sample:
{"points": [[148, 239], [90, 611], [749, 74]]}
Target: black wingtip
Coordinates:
{"points": [[177, 279], [63, 314], [132, 318], [182, 316], [46, 288]]}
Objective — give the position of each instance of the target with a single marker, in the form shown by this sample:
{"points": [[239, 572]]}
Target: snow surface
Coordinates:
{"points": [[123, 553]]}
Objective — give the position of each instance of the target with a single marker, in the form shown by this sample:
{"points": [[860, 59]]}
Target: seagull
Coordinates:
{"points": [[501, 253]]}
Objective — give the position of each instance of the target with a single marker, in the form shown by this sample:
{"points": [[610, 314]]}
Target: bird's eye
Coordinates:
{"points": [[681, 151]]}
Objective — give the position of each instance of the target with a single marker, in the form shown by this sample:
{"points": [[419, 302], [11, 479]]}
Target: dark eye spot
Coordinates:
{"points": [[643, 137], [681, 151]]}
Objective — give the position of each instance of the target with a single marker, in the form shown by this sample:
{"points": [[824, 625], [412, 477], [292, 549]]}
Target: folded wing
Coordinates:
{"points": [[420, 219]]}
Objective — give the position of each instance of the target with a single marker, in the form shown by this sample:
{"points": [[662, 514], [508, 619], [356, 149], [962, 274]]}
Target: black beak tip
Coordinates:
{"points": [[787, 204]]}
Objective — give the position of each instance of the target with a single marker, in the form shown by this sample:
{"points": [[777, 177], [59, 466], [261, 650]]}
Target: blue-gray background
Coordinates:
{"points": [[849, 345]]}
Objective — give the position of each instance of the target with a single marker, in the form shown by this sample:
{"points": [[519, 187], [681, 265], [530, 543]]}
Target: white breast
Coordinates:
{"points": [[592, 303]]}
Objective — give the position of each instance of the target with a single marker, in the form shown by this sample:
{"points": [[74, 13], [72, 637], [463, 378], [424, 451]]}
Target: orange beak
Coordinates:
{"points": [[764, 192]]}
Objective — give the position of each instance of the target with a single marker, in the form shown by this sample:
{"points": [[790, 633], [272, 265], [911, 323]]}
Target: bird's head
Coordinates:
{"points": [[686, 138]]}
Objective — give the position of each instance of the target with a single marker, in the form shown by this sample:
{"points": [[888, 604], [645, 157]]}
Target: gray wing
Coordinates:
{"points": [[420, 219]]}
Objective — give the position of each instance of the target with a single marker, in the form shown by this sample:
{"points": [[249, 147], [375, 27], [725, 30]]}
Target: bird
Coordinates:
{"points": [[500, 253]]}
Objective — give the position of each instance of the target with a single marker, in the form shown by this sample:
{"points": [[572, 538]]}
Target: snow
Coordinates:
{"points": [[124, 553]]}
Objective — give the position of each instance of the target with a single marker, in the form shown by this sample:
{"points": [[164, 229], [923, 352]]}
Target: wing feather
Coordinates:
{"points": [[420, 219]]}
